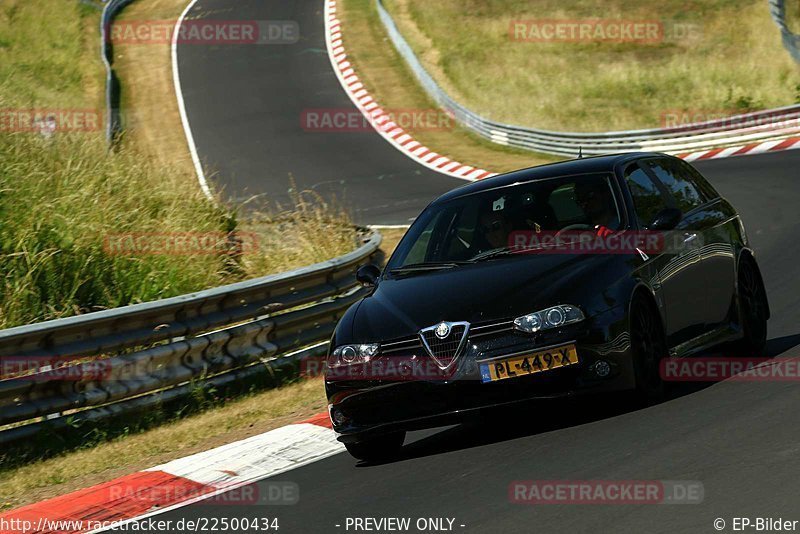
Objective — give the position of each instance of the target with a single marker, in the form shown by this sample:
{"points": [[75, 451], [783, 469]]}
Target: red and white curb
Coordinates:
{"points": [[180, 482], [750, 149], [378, 117]]}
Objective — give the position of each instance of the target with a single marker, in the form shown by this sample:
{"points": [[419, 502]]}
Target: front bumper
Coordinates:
{"points": [[370, 406]]}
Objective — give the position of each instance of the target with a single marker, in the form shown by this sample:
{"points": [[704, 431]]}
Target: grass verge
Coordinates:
{"points": [[717, 57], [63, 197], [138, 447], [151, 118]]}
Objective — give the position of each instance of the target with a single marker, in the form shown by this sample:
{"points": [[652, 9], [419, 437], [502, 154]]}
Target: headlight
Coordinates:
{"points": [[550, 318], [352, 354]]}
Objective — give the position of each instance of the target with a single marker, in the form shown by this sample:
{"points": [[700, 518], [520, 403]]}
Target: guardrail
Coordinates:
{"points": [[130, 358], [791, 41], [746, 128], [113, 118]]}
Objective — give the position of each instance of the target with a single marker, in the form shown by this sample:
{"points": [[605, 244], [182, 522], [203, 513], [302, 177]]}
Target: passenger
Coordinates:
{"points": [[496, 229]]}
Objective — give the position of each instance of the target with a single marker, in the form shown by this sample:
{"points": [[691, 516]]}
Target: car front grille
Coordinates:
{"points": [[413, 344], [444, 351]]}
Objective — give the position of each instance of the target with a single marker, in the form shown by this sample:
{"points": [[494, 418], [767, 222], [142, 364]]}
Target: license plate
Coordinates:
{"points": [[529, 364]]}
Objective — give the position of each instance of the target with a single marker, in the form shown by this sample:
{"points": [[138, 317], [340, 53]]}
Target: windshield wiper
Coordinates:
{"points": [[426, 266], [494, 253]]}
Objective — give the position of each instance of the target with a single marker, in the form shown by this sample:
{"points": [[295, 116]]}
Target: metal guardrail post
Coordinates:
{"points": [[791, 41], [113, 117]]}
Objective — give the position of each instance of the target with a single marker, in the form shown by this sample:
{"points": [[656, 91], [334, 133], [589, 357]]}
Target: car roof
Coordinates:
{"points": [[605, 163]]}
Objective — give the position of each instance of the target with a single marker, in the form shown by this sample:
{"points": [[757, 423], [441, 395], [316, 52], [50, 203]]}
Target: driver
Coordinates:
{"points": [[597, 203]]}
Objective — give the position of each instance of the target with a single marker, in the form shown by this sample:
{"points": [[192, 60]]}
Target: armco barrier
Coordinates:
{"points": [[152, 352], [113, 119], [768, 125], [791, 41]]}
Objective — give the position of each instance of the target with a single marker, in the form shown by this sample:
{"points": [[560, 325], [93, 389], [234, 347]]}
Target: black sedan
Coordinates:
{"points": [[573, 277]]}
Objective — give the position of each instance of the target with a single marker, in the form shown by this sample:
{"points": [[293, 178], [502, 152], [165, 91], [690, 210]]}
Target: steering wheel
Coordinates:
{"points": [[579, 226]]}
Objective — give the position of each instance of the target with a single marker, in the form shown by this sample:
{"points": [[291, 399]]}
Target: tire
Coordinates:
{"points": [[649, 347], [379, 448], [753, 309]]}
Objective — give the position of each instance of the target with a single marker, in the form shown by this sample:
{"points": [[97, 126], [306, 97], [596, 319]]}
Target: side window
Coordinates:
{"points": [[462, 234], [422, 249], [647, 198], [686, 195], [699, 181]]}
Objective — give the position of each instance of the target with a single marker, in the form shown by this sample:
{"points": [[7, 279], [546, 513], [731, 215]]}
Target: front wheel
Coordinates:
{"points": [[378, 448], [649, 348], [753, 306]]}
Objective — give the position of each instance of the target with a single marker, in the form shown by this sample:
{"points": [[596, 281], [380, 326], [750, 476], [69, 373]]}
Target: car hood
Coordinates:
{"points": [[491, 290]]}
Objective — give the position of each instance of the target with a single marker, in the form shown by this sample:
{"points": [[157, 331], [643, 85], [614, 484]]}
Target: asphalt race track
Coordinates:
{"points": [[740, 439], [245, 105]]}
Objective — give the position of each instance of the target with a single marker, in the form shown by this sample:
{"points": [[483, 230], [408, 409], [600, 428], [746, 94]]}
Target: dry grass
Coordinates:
{"points": [[234, 421], [153, 126], [793, 15], [386, 76], [391, 237], [151, 117], [733, 61]]}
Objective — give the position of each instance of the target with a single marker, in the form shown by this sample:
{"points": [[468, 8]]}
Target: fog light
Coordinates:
{"points": [[602, 368], [339, 418]]}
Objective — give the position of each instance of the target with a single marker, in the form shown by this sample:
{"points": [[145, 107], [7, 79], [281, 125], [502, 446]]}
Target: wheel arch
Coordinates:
{"points": [[649, 295], [747, 254]]}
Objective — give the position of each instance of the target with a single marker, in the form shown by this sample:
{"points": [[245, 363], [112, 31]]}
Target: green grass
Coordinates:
{"points": [[735, 61], [43, 54], [60, 198]]}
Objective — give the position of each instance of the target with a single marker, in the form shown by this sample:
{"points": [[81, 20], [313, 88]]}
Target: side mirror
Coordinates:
{"points": [[368, 275], [666, 219]]}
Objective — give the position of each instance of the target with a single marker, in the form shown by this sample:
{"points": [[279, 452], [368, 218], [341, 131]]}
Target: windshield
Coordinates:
{"points": [[466, 228]]}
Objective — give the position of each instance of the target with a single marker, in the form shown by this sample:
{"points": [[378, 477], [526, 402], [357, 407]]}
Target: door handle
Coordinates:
{"points": [[687, 237]]}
